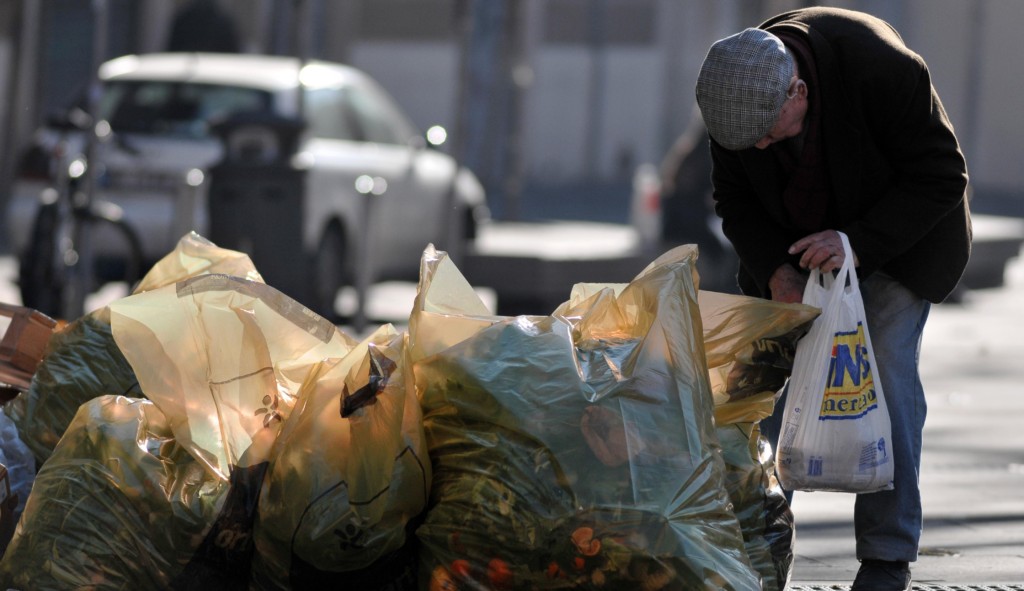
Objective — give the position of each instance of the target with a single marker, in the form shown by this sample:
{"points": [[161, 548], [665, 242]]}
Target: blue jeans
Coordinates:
{"points": [[888, 523]]}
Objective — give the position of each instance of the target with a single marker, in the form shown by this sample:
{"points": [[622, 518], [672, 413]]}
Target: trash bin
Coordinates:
{"points": [[256, 198]]}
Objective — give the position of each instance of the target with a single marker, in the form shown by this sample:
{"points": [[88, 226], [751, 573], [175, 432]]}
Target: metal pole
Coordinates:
{"points": [[517, 76], [481, 119], [99, 51], [363, 265], [21, 96], [78, 259], [975, 66], [451, 229], [79, 273], [300, 43], [596, 87]]}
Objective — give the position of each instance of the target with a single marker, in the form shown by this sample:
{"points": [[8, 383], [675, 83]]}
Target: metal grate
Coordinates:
{"points": [[924, 587]]}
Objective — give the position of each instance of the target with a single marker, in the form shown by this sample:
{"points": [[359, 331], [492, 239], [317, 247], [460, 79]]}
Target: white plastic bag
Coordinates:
{"points": [[836, 431]]}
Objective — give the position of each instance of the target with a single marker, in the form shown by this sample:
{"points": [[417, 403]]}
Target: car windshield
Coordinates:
{"points": [[356, 112], [175, 109]]}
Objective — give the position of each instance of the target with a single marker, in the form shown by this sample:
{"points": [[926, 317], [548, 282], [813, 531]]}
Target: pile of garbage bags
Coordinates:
{"points": [[209, 432]]}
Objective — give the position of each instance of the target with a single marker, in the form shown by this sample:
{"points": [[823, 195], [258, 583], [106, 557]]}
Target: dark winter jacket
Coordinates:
{"points": [[897, 174]]}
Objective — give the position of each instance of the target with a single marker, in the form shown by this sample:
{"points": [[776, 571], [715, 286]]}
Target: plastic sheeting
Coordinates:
{"points": [[223, 357], [348, 479], [248, 392], [82, 361], [576, 449], [750, 344], [573, 450], [119, 505]]}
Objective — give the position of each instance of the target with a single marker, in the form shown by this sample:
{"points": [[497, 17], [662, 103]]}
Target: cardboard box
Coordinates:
{"points": [[22, 347]]}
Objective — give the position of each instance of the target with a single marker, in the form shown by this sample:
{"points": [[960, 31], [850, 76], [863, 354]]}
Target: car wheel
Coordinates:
{"points": [[329, 271]]}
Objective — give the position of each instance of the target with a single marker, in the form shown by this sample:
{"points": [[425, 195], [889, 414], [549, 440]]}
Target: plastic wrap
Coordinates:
{"points": [[194, 256], [223, 357], [750, 344], [119, 505], [573, 450], [769, 530], [349, 476], [82, 362]]}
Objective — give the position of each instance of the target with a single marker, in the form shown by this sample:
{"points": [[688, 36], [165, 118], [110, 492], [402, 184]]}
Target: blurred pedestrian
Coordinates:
{"points": [[202, 25], [822, 120], [687, 208]]}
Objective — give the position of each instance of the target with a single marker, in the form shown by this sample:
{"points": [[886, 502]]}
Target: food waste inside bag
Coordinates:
{"points": [[577, 449]]}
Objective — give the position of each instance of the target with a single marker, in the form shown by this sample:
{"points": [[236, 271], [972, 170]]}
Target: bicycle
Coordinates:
{"points": [[57, 268]]}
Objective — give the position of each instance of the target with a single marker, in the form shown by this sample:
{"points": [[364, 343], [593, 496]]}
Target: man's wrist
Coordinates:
{"points": [[781, 274], [786, 284]]}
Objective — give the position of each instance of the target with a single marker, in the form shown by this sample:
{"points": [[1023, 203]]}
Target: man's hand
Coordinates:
{"points": [[787, 285], [823, 250]]}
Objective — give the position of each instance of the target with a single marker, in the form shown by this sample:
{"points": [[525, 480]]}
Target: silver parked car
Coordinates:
{"points": [[157, 118]]}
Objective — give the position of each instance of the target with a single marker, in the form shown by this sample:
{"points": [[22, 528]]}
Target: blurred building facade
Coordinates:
{"points": [[533, 91]]}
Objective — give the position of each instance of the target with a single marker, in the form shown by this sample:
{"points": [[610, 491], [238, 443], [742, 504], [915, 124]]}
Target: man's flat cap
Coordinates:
{"points": [[742, 86]]}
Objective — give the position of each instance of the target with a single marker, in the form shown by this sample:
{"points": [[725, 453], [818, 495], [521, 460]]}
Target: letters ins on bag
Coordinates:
{"points": [[850, 388]]}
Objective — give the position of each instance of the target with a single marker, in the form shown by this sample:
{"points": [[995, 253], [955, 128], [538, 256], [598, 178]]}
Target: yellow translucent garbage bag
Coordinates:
{"points": [[82, 361], [575, 450], [223, 357], [750, 343], [349, 476], [120, 505], [194, 255], [759, 503]]}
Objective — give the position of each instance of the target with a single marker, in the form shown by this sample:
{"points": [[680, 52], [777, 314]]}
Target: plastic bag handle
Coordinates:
{"points": [[845, 273]]}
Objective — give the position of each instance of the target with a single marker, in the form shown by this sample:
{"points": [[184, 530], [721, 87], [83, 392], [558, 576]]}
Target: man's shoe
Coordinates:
{"points": [[882, 575]]}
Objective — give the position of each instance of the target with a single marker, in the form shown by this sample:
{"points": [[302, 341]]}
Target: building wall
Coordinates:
{"points": [[593, 97], [999, 134]]}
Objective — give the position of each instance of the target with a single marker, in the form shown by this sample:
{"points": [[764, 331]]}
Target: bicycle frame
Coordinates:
{"points": [[58, 267]]}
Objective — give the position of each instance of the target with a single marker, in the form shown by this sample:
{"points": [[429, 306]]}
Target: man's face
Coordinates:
{"points": [[791, 117]]}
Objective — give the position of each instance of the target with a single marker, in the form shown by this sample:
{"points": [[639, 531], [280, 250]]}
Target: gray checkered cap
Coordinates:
{"points": [[742, 86]]}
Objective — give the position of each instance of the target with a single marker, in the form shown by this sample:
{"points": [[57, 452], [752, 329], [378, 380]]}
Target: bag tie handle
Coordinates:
{"points": [[846, 274]]}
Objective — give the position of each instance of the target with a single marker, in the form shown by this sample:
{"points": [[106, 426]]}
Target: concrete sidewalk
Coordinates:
{"points": [[972, 473]]}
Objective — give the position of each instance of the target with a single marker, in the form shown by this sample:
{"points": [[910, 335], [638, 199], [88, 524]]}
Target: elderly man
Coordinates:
{"points": [[823, 121]]}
